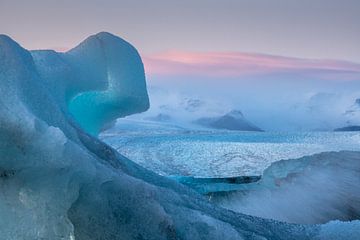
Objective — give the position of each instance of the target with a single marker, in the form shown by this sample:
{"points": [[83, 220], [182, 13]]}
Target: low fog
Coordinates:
{"points": [[272, 102], [309, 190]]}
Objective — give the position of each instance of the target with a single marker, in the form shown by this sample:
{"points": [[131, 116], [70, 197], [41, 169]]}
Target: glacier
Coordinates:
{"points": [[59, 181]]}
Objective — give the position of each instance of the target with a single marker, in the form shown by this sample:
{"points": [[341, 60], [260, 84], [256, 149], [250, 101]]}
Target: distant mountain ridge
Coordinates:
{"points": [[233, 120], [348, 129]]}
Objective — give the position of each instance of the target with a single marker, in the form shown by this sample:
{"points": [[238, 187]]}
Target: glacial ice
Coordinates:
{"points": [[103, 79], [58, 181]]}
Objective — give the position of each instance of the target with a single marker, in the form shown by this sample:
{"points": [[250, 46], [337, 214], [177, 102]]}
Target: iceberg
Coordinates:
{"points": [[59, 181]]}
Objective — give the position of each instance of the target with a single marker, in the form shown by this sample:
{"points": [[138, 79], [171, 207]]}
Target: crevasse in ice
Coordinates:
{"points": [[58, 181]]}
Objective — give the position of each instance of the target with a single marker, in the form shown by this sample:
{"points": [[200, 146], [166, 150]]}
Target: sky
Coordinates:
{"points": [[320, 29], [237, 64]]}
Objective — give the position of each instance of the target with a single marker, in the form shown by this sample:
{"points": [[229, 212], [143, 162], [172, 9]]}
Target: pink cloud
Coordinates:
{"points": [[236, 64]]}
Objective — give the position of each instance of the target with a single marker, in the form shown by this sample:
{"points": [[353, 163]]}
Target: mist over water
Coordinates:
{"points": [[307, 191], [291, 102]]}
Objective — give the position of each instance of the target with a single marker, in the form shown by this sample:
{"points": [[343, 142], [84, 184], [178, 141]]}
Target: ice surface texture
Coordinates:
{"points": [[187, 152], [58, 181]]}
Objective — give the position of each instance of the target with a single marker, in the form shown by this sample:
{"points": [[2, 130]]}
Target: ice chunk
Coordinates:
{"points": [[101, 79]]}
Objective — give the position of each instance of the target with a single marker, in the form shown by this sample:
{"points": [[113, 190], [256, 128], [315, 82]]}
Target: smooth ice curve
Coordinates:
{"points": [[58, 181]]}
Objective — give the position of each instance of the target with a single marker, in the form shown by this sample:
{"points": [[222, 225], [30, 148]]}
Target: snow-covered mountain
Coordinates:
{"points": [[233, 120]]}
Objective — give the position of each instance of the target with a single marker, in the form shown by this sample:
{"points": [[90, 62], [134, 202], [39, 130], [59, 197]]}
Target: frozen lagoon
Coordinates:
{"points": [[170, 150]]}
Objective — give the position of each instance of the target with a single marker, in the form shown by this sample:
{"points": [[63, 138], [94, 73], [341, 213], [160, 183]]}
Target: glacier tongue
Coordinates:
{"points": [[58, 181]]}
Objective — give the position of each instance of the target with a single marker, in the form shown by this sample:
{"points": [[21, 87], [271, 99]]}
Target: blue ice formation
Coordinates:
{"points": [[58, 181], [103, 79]]}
